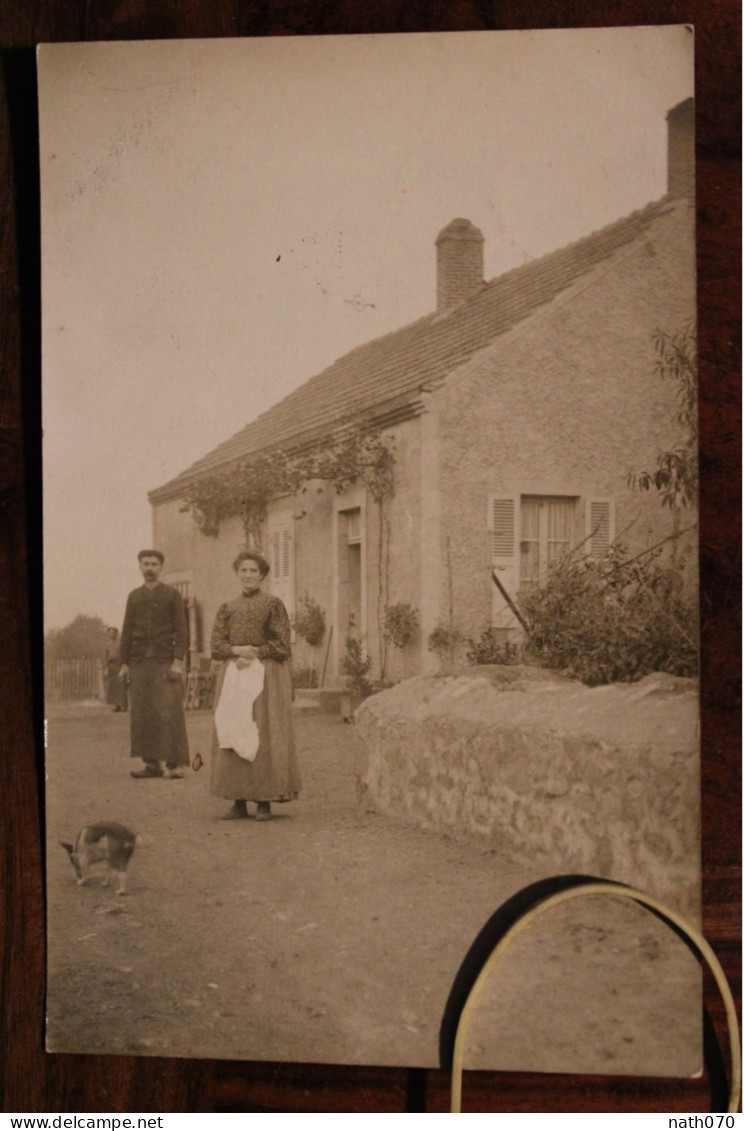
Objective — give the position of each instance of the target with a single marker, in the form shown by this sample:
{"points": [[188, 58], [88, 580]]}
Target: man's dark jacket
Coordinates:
{"points": [[154, 625]]}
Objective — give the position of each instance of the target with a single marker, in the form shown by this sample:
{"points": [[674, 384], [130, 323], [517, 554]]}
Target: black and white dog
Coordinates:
{"points": [[107, 842]]}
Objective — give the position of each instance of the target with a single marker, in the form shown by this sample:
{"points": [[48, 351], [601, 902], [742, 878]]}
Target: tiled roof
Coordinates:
{"points": [[397, 367]]}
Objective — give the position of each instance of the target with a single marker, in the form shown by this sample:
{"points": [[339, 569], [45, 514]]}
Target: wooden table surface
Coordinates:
{"points": [[31, 1080]]}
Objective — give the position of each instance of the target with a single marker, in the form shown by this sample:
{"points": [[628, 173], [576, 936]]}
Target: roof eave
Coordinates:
{"points": [[385, 415]]}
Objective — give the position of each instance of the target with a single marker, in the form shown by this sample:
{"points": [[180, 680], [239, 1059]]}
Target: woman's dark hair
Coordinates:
{"points": [[252, 556]]}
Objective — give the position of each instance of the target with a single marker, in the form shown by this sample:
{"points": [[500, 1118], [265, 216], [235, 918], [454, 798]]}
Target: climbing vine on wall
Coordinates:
{"points": [[359, 454], [245, 488]]}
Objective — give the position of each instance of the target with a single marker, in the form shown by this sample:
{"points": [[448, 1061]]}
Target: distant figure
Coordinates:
{"points": [[116, 691], [153, 646], [253, 754]]}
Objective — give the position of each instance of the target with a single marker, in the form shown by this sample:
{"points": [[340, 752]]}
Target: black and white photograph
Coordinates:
{"points": [[370, 544]]}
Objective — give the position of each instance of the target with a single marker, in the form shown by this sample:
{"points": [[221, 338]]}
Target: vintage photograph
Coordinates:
{"points": [[370, 543]]}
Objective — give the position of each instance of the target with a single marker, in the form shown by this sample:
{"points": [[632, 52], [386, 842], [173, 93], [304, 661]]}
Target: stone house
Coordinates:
{"points": [[517, 409]]}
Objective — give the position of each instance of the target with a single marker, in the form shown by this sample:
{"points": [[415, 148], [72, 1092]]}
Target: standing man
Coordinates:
{"points": [[153, 646]]}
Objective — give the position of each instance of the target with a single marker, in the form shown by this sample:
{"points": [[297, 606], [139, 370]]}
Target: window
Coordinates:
{"points": [[353, 525], [547, 530], [183, 582], [528, 534]]}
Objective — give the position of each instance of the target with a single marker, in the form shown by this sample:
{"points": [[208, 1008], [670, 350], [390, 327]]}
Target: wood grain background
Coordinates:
{"points": [[31, 1080]]}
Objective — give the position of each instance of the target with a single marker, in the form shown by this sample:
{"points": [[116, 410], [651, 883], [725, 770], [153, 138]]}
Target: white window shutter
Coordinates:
{"points": [[503, 528], [281, 578], [503, 533], [600, 526], [276, 555]]}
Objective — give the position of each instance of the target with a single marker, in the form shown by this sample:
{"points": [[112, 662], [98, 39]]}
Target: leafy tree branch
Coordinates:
{"points": [[675, 475]]}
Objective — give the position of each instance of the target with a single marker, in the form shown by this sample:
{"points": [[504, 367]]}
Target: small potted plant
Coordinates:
{"points": [[356, 666]]}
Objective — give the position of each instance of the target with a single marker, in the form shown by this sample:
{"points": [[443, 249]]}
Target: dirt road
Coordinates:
{"points": [[329, 934]]}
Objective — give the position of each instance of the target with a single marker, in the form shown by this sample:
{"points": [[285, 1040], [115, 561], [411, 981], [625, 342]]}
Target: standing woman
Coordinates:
{"points": [[255, 626]]}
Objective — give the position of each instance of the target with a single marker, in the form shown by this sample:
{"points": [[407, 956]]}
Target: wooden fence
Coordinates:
{"points": [[74, 679]]}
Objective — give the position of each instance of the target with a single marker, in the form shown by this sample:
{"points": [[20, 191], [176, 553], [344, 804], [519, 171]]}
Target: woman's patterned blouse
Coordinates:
{"points": [[257, 619]]}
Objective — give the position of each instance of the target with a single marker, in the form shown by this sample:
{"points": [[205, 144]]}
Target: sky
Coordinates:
{"points": [[222, 219]]}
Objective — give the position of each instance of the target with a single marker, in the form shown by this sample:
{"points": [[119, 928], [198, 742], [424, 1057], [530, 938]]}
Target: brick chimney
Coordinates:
{"points": [[681, 149], [459, 263]]}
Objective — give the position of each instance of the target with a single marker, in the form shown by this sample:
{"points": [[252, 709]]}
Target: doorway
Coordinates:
{"points": [[349, 573]]}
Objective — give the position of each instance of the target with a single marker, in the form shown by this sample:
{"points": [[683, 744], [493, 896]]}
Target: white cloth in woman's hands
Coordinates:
{"points": [[233, 717]]}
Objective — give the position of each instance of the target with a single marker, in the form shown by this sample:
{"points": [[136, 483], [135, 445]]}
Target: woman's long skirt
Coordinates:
{"points": [[274, 774]]}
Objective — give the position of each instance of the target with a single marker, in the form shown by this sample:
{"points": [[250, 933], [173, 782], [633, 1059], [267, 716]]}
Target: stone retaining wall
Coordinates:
{"points": [[601, 780]]}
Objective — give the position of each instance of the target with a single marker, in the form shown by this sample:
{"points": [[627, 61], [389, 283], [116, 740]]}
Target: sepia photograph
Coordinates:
{"points": [[370, 470]]}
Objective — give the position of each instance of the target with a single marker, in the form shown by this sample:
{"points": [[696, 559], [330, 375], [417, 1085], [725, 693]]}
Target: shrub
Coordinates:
{"points": [[490, 648], [401, 622], [612, 618]]}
